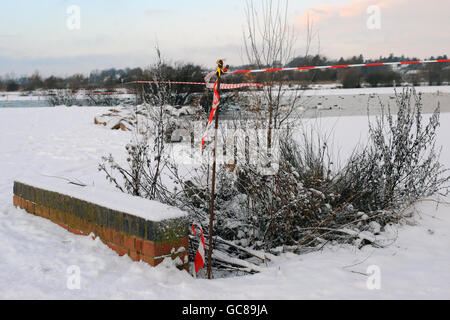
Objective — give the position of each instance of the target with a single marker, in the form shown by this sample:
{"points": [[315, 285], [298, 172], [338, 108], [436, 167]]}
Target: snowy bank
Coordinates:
{"points": [[36, 254]]}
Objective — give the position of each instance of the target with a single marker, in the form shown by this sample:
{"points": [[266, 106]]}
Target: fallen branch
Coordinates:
{"points": [[225, 258], [260, 255]]}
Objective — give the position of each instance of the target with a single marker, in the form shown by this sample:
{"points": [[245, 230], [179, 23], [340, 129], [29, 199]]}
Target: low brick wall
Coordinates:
{"points": [[140, 238]]}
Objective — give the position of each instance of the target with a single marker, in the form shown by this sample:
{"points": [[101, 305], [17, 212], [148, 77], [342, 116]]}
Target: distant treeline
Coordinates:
{"points": [[431, 74]]}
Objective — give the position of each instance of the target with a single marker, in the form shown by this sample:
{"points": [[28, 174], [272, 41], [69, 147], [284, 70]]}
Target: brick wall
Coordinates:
{"points": [[125, 233]]}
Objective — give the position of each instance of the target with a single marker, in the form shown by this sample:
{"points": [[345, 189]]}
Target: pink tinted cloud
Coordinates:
{"points": [[410, 27], [355, 8]]}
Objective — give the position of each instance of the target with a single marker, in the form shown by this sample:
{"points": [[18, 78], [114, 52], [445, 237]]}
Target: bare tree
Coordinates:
{"points": [[147, 158], [269, 42]]}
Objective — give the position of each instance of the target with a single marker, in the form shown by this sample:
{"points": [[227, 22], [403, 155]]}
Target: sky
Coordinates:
{"points": [[40, 35]]}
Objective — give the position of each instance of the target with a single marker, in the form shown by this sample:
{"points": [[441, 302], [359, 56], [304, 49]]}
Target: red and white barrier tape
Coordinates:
{"points": [[235, 85], [338, 66], [171, 82], [223, 86], [200, 255], [216, 102]]}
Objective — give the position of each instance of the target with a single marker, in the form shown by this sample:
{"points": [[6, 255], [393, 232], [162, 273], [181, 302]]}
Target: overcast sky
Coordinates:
{"points": [[34, 35]]}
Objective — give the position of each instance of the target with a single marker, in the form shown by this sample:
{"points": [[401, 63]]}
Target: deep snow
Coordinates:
{"points": [[35, 254]]}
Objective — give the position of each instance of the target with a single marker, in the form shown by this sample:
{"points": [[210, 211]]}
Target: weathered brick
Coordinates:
{"points": [[142, 227], [52, 214], [36, 195], [44, 212], [111, 218], [105, 213], [96, 229], [118, 238], [118, 220], [25, 192], [134, 255], [151, 261], [32, 194], [40, 199], [126, 223], [16, 201], [90, 213], [129, 242], [120, 250], [100, 232], [97, 215], [108, 232], [30, 207], [150, 231], [139, 245], [163, 248], [83, 209], [77, 232], [38, 210], [133, 225], [148, 248], [60, 215], [86, 226], [23, 203], [19, 189]]}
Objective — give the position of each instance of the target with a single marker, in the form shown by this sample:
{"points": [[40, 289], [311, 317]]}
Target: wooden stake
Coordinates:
{"points": [[213, 182]]}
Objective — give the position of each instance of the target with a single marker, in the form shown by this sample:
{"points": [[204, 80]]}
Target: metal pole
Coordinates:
{"points": [[213, 182]]}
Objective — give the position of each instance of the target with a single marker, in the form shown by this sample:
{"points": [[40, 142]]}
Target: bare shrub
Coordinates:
{"points": [[400, 164], [310, 202], [63, 98]]}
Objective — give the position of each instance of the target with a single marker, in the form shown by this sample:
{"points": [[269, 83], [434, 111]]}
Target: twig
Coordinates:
{"points": [[79, 183]]}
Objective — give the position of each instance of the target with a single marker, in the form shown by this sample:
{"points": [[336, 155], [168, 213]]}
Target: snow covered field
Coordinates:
{"points": [[312, 91], [36, 255]]}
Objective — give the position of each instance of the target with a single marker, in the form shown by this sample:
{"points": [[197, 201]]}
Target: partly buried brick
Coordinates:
{"points": [[29, 206], [134, 255], [16, 201], [22, 203], [120, 250], [40, 211], [154, 249], [151, 260]]}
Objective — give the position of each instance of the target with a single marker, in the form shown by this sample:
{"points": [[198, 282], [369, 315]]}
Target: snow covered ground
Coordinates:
{"points": [[36, 256], [314, 90]]}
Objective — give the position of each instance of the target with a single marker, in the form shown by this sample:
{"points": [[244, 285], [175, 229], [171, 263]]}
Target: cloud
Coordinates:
{"points": [[407, 27], [355, 8], [151, 12]]}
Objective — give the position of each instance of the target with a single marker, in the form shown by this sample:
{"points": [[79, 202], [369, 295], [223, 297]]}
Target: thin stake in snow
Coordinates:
{"points": [[219, 72]]}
